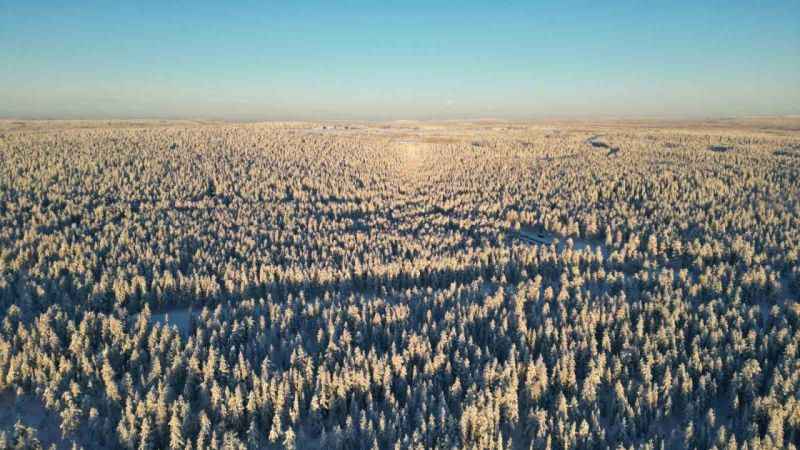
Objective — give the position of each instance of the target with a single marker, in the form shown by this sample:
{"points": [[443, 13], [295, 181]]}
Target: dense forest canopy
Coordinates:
{"points": [[205, 286]]}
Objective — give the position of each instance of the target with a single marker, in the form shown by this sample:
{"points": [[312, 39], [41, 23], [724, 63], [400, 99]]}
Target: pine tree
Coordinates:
{"points": [[176, 440], [276, 431], [289, 439], [146, 435]]}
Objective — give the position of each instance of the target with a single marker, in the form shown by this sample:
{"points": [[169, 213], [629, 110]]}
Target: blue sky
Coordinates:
{"points": [[393, 60]]}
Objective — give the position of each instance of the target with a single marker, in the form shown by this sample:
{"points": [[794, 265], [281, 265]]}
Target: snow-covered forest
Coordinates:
{"points": [[322, 286]]}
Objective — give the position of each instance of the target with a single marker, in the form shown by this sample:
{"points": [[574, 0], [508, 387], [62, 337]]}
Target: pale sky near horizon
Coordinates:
{"points": [[395, 60]]}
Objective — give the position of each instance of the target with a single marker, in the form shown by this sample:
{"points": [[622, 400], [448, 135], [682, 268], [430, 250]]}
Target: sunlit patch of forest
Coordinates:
{"points": [[318, 286]]}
